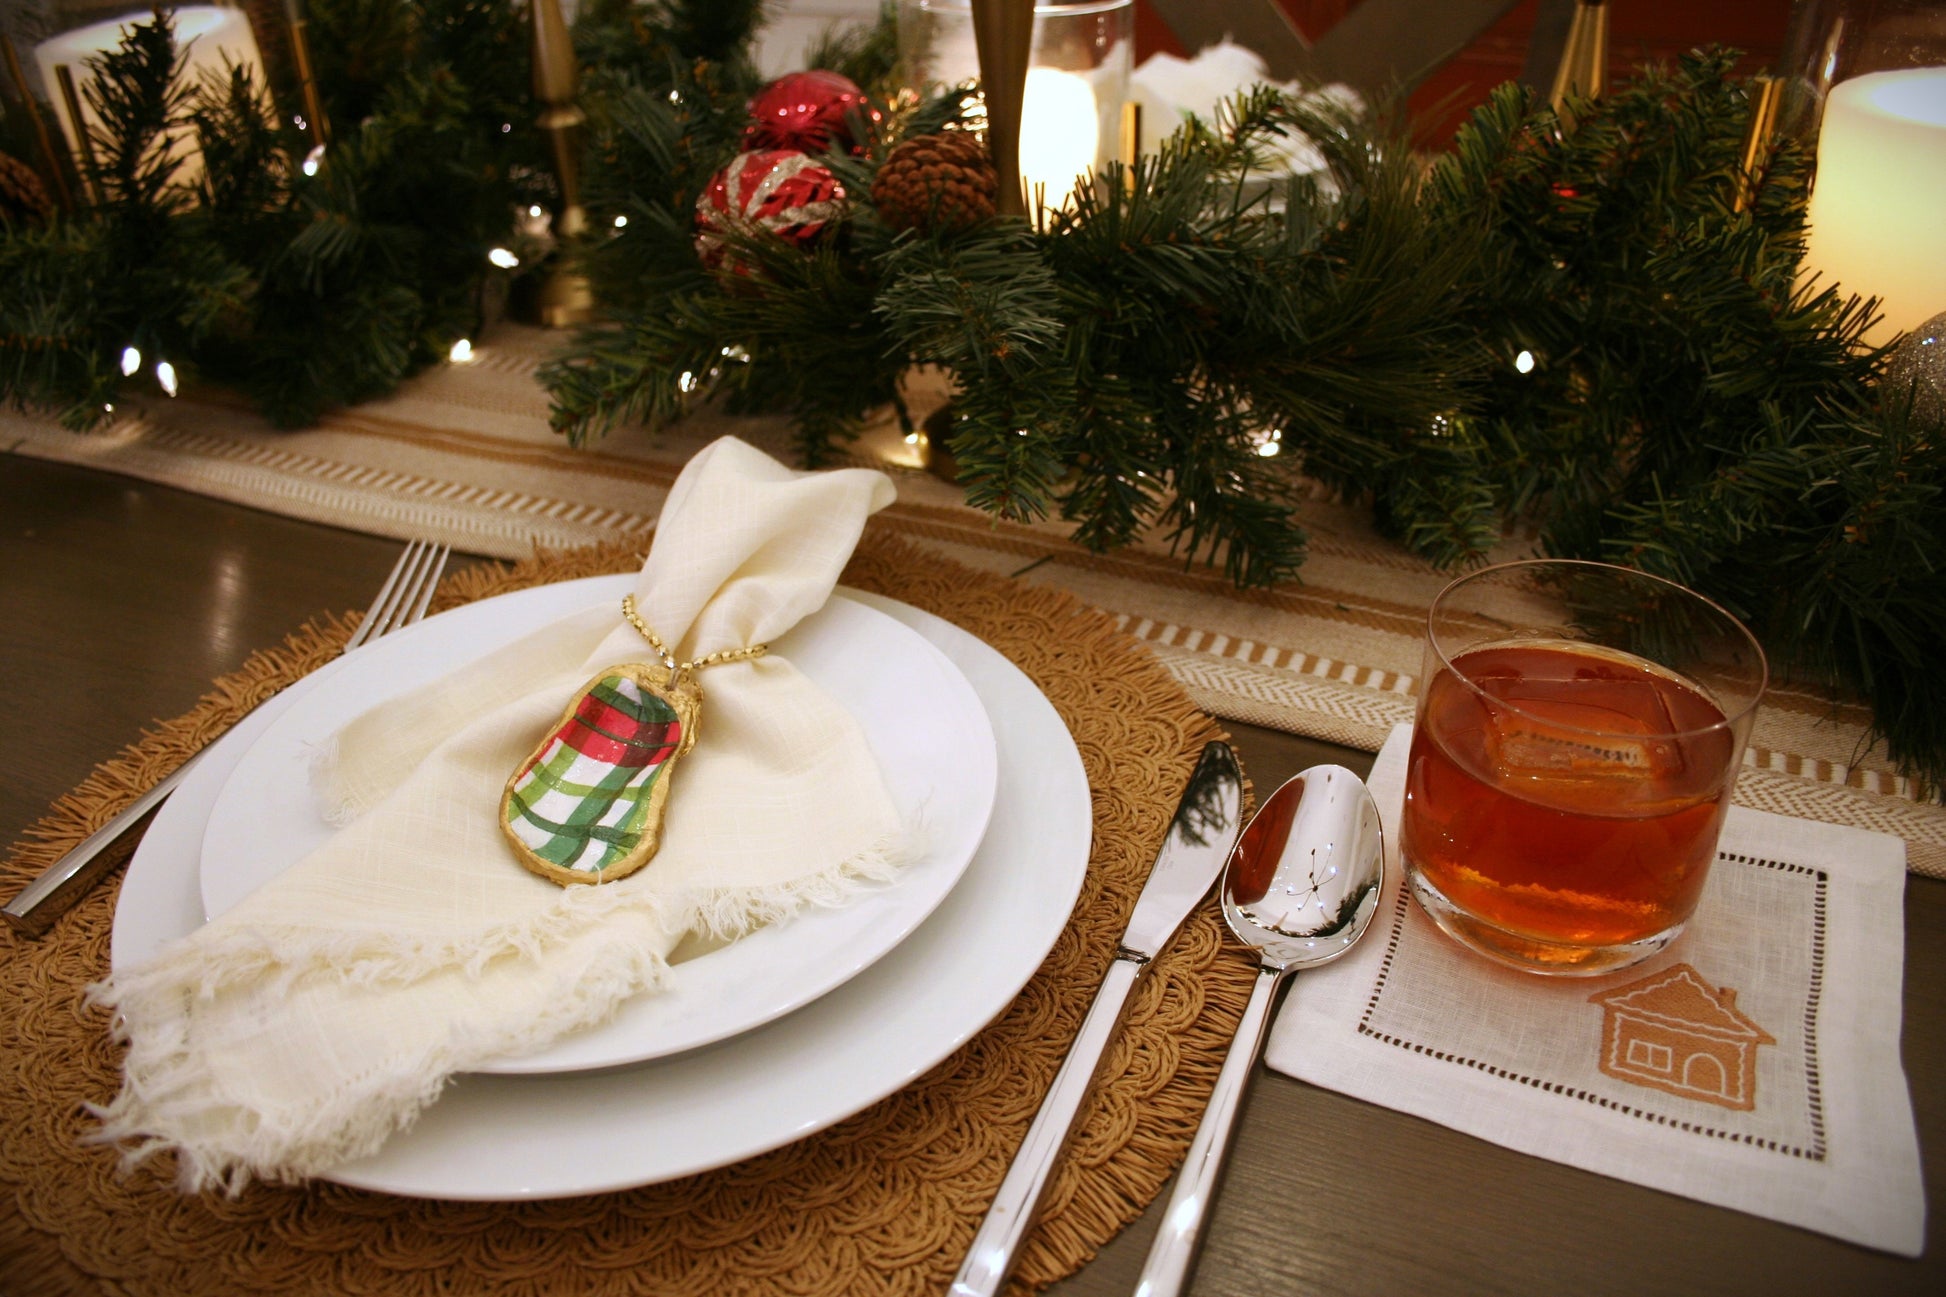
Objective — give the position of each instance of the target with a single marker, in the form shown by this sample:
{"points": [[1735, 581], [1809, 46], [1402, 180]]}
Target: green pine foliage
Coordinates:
{"points": [[1658, 322], [867, 53], [1192, 318], [382, 257], [1566, 324], [1120, 365], [1692, 410], [305, 291], [50, 358], [656, 43], [80, 294]]}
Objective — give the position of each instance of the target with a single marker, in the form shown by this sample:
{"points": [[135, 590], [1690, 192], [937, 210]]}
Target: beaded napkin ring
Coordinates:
{"points": [[587, 806]]}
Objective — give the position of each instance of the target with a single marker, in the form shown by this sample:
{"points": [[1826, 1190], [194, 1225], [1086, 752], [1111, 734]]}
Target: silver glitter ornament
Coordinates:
{"points": [[1918, 365]]}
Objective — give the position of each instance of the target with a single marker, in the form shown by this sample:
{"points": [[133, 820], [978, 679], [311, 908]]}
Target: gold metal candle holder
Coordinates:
{"points": [[83, 142], [565, 297], [49, 158], [307, 83], [1766, 99], [1003, 33], [1583, 70]]}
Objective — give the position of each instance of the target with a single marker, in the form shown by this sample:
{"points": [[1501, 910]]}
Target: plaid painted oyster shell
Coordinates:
{"points": [[586, 806]]}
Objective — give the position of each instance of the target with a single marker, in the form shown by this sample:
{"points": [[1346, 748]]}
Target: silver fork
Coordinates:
{"points": [[401, 601]]}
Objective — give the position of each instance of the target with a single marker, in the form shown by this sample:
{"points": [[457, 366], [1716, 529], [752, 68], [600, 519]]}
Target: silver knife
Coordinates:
{"points": [[1199, 841]]}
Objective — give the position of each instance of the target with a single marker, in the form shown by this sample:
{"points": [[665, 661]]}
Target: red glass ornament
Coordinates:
{"points": [[783, 191], [810, 111]]}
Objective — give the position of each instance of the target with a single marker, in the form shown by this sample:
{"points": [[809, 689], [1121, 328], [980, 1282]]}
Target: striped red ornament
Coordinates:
{"points": [[787, 193]]}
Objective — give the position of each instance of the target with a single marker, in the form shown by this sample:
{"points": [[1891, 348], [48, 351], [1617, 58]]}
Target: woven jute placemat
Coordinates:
{"points": [[884, 1202]]}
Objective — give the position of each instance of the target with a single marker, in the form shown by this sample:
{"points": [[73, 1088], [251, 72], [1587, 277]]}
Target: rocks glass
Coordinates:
{"points": [[1579, 730]]}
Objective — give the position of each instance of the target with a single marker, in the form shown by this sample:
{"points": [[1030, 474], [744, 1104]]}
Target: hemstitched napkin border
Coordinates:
{"points": [[1658, 1074], [1812, 1147]]}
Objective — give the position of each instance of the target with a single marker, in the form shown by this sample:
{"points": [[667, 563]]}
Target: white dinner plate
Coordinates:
{"points": [[923, 720], [498, 1138]]}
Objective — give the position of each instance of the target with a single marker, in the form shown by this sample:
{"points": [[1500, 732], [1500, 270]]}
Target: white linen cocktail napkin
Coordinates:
{"points": [[300, 1029], [1754, 1064]]}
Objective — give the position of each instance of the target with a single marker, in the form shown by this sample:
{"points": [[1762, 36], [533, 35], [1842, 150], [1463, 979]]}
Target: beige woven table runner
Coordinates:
{"points": [[884, 1202], [464, 454]]}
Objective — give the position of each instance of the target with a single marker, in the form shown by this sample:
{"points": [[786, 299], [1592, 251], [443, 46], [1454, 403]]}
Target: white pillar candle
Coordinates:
{"points": [[207, 38], [1878, 206], [1060, 134]]}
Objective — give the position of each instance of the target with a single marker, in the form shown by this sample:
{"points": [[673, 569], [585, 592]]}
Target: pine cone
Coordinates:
{"points": [[23, 200], [936, 183]]}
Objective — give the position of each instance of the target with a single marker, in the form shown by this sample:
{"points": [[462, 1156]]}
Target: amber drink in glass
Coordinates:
{"points": [[1579, 730]]}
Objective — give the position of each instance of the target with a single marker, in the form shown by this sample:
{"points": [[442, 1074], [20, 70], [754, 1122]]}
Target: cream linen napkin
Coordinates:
{"points": [[323, 1013], [1754, 1064]]}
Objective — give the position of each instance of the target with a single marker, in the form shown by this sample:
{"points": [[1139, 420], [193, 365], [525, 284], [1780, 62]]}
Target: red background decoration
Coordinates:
{"points": [[1639, 31]]}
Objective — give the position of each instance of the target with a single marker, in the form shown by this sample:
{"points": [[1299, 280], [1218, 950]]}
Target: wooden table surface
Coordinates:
{"points": [[123, 600]]}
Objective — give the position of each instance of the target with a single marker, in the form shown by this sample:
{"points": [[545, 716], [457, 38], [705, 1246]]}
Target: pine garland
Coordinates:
{"points": [[305, 291], [1566, 324], [1692, 410]]}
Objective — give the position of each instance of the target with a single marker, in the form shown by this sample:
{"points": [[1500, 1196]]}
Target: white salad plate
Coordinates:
{"points": [[923, 720], [499, 1138]]}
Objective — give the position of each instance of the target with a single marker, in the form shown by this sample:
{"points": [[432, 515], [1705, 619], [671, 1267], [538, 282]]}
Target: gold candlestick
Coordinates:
{"points": [[83, 142], [49, 157], [1766, 99], [565, 296], [1583, 70], [1003, 33], [307, 82]]}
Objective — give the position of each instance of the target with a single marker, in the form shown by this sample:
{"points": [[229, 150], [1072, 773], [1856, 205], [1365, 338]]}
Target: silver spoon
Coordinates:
{"points": [[1301, 887]]}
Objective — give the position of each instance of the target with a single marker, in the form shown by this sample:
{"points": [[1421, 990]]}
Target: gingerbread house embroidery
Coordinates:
{"points": [[1675, 1032]]}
